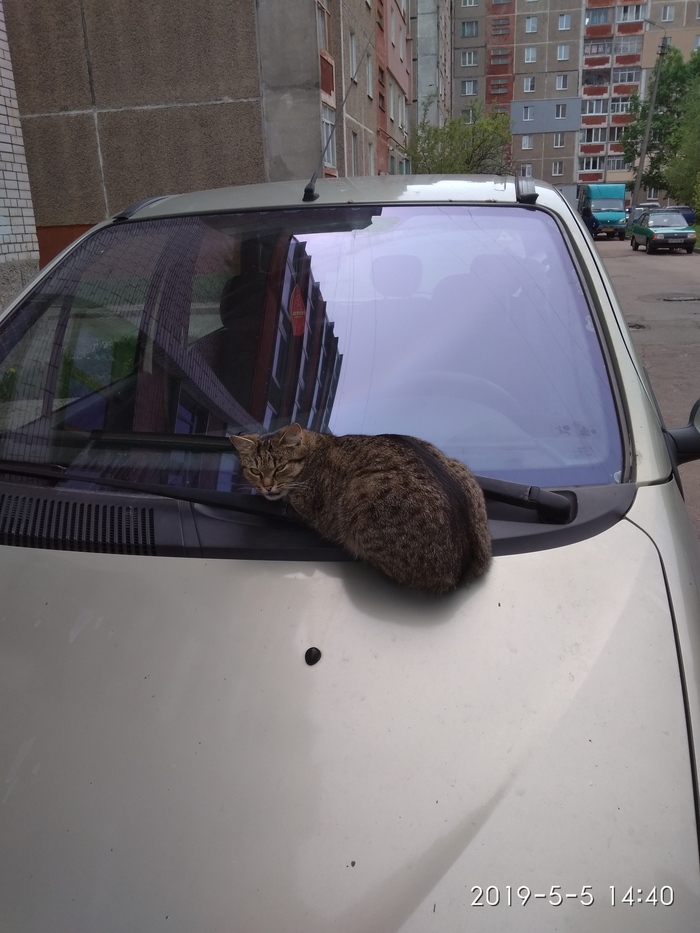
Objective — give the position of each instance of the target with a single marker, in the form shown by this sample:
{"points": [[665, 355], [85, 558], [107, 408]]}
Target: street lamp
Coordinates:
{"points": [[647, 131]]}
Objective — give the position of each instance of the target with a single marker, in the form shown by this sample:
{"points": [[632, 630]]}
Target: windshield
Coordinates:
{"points": [[608, 204], [466, 326], [667, 219]]}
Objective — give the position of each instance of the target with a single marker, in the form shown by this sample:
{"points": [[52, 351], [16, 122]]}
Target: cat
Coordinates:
{"points": [[394, 501]]}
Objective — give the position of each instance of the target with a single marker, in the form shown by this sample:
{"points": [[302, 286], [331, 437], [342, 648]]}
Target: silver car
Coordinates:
{"points": [[215, 720]]}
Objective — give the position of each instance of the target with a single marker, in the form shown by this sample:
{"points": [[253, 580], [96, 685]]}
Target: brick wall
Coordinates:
{"points": [[19, 251]]}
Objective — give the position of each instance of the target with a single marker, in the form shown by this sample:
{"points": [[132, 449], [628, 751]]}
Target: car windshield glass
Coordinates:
{"points": [[669, 219], [607, 204], [467, 326]]}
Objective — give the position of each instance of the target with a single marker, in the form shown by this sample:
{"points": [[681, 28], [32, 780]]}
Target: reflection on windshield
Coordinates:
{"points": [[465, 326]]}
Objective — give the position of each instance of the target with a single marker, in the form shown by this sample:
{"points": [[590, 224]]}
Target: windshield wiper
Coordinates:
{"points": [[225, 500], [145, 440], [556, 508]]}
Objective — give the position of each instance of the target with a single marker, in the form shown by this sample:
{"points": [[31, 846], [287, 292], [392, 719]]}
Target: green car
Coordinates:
{"points": [[663, 229]]}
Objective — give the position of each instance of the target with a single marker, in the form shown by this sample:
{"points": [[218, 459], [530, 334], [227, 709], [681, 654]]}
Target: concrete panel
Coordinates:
{"points": [[48, 55], [159, 52], [169, 150], [290, 70], [64, 170]]}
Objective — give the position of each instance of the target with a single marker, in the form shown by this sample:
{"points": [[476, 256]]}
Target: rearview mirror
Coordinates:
{"points": [[686, 441]]}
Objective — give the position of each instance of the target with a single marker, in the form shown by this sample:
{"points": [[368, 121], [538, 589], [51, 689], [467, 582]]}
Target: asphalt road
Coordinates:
{"points": [[654, 292]]}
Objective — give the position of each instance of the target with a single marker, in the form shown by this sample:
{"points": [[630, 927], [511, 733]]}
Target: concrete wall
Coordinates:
{"points": [[19, 255], [121, 99]]}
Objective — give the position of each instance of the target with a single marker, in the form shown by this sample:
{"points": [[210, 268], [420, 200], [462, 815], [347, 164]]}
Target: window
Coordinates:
{"points": [[500, 57], [598, 47], [591, 164], [618, 162], [696, 44], [627, 45], [564, 21], [562, 53], [499, 85], [627, 75], [530, 24], [526, 170], [620, 105], [500, 27], [593, 134], [323, 25], [529, 85], [598, 17], [353, 57], [392, 99], [469, 87], [470, 2], [557, 168], [327, 124], [668, 13], [562, 82], [530, 53], [558, 140], [560, 111], [355, 154], [697, 12], [594, 105], [470, 58], [527, 142], [370, 76], [370, 158], [631, 13], [615, 133], [468, 115], [652, 194], [528, 113], [402, 44], [392, 25], [470, 28]]}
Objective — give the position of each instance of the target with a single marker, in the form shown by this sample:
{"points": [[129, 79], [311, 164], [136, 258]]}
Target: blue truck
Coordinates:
{"points": [[607, 202]]}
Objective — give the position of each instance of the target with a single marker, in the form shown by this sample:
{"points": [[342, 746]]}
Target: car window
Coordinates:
{"points": [[668, 219], [467, 326]]}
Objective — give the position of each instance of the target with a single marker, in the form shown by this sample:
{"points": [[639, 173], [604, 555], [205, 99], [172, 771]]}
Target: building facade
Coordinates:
{"points": [[565, 70], [123, 101], [19, 252]]}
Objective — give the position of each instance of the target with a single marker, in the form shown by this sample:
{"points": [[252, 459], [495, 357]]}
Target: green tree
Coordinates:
{"points": [[480, 147], [683, 172], [676, 76]]}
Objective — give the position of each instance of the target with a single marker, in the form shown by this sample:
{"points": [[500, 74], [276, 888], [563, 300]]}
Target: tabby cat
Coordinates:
{"points": [[394, 501]]}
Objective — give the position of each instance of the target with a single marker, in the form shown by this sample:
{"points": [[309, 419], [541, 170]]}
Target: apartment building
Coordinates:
{"points": [[124, 101], [565, 70], [431, 31]]}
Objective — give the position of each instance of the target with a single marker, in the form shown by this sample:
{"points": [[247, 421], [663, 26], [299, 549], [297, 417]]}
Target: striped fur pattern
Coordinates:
{"points": [[394, 501]]}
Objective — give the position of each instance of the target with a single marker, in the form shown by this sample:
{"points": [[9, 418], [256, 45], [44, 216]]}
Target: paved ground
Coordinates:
{"points": [[665, 332]]}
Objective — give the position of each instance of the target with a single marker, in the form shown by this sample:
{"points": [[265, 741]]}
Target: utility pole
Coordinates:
{"points": [[647, 131]]}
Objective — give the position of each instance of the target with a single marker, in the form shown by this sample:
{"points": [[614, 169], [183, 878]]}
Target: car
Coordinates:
{"points": [[663, 229], [687, 211], [215, 719]]}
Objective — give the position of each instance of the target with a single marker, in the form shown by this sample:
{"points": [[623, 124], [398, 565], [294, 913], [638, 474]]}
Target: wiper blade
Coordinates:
{"points": [[145, 439], [225, 500], [556, 508]]}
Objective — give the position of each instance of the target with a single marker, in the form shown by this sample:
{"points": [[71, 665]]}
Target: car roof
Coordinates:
{"points": [[382, 189]]}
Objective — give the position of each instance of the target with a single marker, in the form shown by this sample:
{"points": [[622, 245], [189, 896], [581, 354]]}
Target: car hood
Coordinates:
{"points": [[172, 762]]}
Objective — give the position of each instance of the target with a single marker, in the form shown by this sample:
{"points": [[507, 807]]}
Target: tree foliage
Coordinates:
{"points": [[677, 79], [480, 147]]}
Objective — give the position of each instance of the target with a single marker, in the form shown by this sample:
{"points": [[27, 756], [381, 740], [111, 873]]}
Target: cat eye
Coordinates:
{"points": [[254, 472]]}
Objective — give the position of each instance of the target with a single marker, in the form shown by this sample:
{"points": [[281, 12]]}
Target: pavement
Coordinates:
{"points": [[660, 296]]}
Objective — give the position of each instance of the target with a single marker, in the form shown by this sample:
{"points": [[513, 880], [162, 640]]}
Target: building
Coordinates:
{"points": [[125, 101], [19, 253], [431, 30], [565, 71]]}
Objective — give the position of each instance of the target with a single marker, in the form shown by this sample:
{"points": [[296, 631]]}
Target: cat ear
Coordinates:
{"points": [[292, 435], [242, 442]]}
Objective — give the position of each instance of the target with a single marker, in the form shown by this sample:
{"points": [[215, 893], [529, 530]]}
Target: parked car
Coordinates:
{"points": [[687, 211], [214, 719], [663, 229]]}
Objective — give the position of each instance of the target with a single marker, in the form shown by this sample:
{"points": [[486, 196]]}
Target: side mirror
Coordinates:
{"points": [[686, 441]]}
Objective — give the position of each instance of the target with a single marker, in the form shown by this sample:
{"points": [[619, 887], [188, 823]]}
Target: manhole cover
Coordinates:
{"points": [[681, 297], [670, 296]]}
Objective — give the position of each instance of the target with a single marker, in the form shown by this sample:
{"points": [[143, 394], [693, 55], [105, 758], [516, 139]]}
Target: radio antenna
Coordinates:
{"points": [[310, 189]]}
